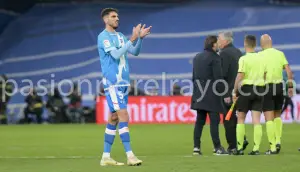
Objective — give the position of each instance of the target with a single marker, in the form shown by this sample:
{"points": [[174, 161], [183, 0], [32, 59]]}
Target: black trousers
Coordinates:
{"points": [[214, 128], [36, 111], [230, 129]]}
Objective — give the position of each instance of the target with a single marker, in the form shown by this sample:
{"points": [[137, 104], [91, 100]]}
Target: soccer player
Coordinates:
{"points": [[251, 75], [113, 48], [273, 100]]}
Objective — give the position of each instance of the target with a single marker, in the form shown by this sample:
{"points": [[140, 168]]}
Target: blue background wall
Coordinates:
{"points": [[61, 39]]}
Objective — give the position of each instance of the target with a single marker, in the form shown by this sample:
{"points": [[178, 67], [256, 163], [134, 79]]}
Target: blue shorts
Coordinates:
{"points": [[117, 98]]}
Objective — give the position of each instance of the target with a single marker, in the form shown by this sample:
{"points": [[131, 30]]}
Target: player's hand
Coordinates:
{"points": [[135, 32], [145, 31], [291, 92], [227, 100], [114, 117], [234, 98]]}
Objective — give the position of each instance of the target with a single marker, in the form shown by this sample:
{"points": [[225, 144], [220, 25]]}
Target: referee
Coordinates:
{"points": [[230, 56], [273, 100], [251, 75]]}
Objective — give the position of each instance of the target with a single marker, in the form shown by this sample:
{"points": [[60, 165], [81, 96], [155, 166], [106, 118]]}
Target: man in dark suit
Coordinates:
{"points": [[206, 97], [230, 56]]}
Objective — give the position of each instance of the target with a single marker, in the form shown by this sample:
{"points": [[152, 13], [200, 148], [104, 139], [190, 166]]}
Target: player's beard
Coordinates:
{"points": [[114, 26]]}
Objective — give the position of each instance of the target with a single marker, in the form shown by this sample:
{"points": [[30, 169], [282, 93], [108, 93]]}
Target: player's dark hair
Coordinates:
{"points": [[250, 41], [210, 41], [106, 11]]}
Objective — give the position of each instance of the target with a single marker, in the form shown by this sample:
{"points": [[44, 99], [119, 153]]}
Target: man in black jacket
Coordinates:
{"points": [[205, 99], [230, 56]]}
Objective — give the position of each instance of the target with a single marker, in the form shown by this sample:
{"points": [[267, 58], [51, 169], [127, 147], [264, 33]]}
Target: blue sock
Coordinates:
{"points": [[110, 133], [124, 135]]}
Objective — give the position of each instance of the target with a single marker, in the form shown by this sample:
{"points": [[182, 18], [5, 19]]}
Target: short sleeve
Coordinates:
{"points": [[105, 43], [284, 61], [241, 65]]}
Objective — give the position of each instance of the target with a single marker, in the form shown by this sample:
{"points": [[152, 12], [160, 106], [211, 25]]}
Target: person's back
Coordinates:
{"points": [[207, 73], [253, 69], [250, 95], [275, 60], [205, 61], [274, 98]]}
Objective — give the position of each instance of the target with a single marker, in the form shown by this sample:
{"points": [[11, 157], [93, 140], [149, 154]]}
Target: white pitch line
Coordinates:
{"points": [[188, 156], [50, 157], [83, 157]]}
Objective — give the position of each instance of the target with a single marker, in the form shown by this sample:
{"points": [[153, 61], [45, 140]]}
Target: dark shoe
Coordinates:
{"points": [[240, 152], [245, 144], [278, 148], [254, 153], [232, 151], [197, 151], [269, 152], [221, 151]]}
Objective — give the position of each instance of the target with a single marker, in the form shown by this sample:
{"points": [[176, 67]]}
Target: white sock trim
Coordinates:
{"points": [[110, 132], [123, 130], [105, 155], [129, 154]]}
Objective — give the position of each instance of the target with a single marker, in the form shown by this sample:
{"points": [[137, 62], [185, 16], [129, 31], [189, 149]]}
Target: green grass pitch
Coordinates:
{"points": [[163, 148]]}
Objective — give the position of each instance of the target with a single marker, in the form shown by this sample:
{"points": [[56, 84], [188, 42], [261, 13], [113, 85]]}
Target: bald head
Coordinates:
{"points": [[265, 41]]}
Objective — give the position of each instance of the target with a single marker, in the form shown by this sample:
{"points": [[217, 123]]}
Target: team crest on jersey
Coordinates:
{"points": [[106, 43]]}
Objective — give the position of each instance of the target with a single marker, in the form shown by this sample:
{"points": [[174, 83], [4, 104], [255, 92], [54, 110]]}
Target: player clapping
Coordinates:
{"points": [[113, 49]]}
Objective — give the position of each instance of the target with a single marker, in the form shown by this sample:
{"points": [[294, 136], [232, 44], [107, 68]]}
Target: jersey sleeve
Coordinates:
{"points": [[242, 66], [105, 43]]}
